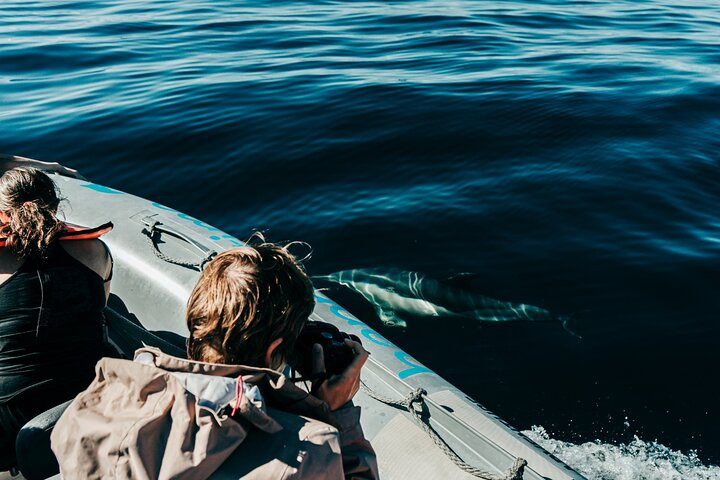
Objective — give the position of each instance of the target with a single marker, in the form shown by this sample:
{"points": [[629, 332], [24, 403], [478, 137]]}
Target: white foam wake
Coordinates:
{"points": [[637, 460]]}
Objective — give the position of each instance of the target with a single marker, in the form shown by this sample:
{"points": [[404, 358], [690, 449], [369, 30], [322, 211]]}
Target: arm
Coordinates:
{"points": [[358, 457], [8, 162], [109, 267]]}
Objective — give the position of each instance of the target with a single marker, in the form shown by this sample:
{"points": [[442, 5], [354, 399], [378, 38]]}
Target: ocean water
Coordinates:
{"points": [[562, 155]]}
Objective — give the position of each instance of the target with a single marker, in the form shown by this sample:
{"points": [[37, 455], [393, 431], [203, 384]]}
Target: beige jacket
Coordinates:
{"points": [[162, 417]]}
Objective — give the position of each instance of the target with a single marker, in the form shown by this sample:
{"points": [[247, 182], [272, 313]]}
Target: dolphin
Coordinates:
{"points": [[396, 295]]}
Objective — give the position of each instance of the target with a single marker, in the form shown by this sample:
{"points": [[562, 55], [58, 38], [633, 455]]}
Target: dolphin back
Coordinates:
{"points": [[398, 295]]}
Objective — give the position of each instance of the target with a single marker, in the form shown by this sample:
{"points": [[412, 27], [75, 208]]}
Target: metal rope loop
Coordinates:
{"points": [[150, 238], [208, 258], [152, 228], [413, 397]]}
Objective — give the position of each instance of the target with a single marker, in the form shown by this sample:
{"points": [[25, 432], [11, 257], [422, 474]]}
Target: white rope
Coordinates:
{"points": [[415, 397]]}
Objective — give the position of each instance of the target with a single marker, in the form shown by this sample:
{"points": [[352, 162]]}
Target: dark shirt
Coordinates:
{"points": [[51, 327]]}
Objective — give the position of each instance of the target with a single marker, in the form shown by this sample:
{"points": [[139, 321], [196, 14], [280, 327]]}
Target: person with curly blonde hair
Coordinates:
{"points": [[249, 308]]}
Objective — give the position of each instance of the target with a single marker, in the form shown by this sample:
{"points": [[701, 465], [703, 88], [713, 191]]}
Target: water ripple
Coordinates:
{"points": [[567, 152]]}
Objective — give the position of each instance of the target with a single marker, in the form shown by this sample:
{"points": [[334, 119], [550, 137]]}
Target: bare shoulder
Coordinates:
{"points": [[93, 253]]}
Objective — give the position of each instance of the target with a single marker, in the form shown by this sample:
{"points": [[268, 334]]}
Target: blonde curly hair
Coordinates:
{"points": [[247, 298]]}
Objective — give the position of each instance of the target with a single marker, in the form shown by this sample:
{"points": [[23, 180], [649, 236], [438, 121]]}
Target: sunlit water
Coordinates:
{"points": [[635, 460], [565, 154]]}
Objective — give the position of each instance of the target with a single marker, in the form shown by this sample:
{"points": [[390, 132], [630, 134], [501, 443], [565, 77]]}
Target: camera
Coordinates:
{"points": [[337, 354]]}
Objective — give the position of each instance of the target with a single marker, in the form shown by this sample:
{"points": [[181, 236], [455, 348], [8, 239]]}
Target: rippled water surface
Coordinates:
{"points": [[563, 153]]}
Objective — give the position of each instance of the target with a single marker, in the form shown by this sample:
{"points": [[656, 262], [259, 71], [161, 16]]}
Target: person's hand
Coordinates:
{"points": [[10, 161], [337, 390]]}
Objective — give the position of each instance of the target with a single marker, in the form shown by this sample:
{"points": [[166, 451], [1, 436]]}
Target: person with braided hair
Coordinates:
{"points": [[52, 296]]}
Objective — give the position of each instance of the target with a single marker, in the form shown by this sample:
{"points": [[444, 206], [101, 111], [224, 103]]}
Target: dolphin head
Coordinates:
{"points": [[392, 293]]}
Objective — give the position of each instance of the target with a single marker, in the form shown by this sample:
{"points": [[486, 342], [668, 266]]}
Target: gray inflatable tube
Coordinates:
{"points": [[150, 293]]}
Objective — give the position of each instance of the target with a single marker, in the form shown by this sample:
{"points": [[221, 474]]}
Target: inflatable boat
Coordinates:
{"points": [[421, 426]]}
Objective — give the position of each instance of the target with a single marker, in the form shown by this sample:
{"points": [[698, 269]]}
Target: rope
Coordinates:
{"points": [[411, 402], [150, 238]]}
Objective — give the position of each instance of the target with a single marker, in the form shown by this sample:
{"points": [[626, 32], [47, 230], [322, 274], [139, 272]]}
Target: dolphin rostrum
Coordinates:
{"points": [[396, 295]]}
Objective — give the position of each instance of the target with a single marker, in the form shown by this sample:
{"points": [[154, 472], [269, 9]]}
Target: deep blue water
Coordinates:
{"points": [[564, 152]]}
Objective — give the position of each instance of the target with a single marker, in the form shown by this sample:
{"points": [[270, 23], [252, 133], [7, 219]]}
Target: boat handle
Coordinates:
{"points": [[153, 227]]}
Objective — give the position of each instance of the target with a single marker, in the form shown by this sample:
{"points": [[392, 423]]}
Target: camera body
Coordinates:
{"points": [[337, 354]]}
